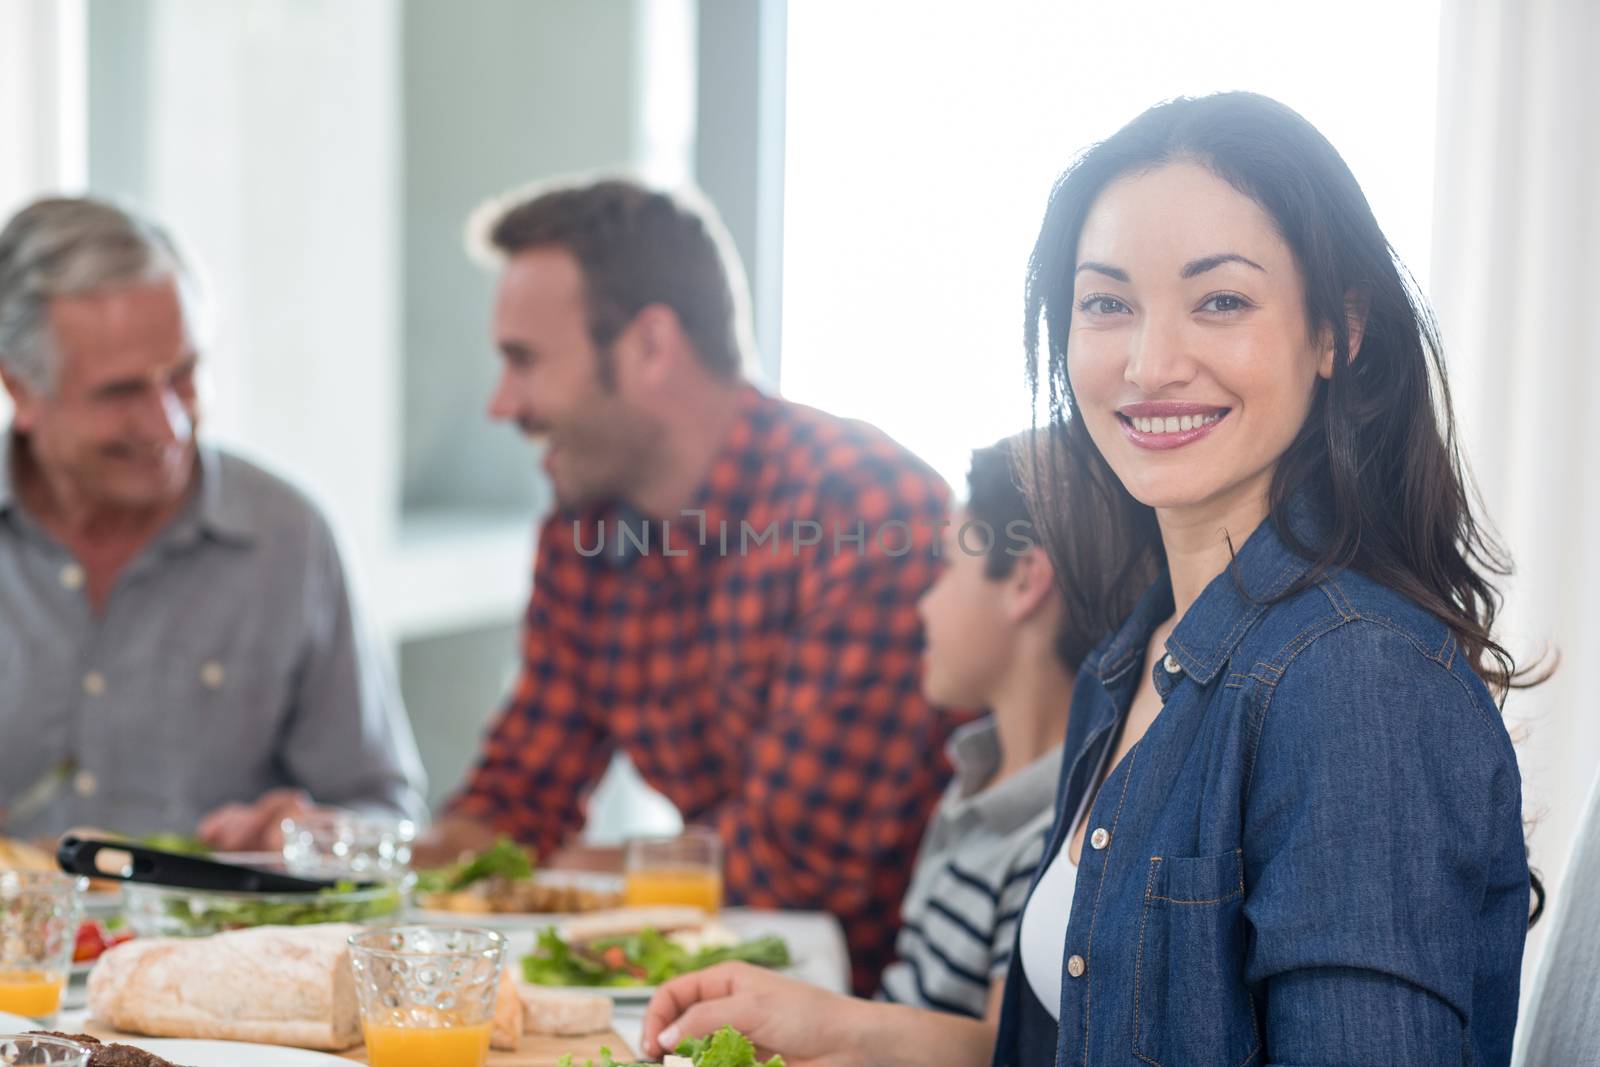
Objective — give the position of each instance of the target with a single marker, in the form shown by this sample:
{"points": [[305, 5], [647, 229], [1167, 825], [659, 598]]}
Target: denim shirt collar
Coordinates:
{"points": [[1226, 609]]}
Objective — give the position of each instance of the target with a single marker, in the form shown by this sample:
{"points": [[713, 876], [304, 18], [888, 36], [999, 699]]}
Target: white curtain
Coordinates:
{"points": [[43, 89], [44, 123], [1516, 282]]}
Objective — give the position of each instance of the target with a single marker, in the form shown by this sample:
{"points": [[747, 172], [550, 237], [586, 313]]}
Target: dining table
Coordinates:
{"points": [[815, 939]]}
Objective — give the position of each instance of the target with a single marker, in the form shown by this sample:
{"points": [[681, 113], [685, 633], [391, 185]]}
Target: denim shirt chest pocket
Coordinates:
{"points": [[1189, 1007]]}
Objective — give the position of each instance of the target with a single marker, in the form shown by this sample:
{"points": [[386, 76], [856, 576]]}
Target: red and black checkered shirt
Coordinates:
{"points": [[768, 686]]}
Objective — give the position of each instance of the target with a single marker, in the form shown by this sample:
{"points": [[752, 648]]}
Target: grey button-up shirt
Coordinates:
{"points": [[227, 662]]}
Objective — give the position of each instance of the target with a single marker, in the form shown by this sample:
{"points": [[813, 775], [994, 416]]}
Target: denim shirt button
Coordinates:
{"points": [[1170, 665], [1076, 966], [1100, 838]]}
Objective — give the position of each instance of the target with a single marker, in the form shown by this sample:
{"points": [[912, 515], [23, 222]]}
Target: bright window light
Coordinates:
{"points": [[923, 139]]}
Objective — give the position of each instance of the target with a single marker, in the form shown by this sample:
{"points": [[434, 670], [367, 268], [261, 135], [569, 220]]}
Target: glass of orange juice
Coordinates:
{"points": [[686, 869], [40, 912], [427, 993]]}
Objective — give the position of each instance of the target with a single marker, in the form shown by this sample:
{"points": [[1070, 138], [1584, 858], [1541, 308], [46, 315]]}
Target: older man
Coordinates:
{"points": [[747, 628], [177, 646]]}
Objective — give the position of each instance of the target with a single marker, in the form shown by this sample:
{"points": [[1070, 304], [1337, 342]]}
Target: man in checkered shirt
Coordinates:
{"points": [[727, 588]]}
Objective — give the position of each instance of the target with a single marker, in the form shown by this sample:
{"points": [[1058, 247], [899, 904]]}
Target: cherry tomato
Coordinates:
{"points": [[90, 944]]}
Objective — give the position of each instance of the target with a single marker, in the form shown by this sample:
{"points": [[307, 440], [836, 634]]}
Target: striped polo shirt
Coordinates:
{"points": [[978, 857]]}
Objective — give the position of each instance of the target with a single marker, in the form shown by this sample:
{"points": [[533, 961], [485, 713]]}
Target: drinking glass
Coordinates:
{"points": [[685, 869], [40, 912], [427, 993], [330, 843]]}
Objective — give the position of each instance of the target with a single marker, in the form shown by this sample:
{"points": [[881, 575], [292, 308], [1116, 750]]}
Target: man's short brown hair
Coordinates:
{"points": [[638, 247]]}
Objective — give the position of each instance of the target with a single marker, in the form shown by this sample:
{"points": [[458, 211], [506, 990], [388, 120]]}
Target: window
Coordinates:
{"points": [[923, 140]]}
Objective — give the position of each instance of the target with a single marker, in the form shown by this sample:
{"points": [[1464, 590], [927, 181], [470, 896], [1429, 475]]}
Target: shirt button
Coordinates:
{"points": [[94, 683], [1170, 665], [1076, 966], [86, 784], [1100, 838], [72, 576], [212, 674]]}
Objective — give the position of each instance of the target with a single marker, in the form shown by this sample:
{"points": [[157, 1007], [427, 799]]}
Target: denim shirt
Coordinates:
{"points": [[1313, 856]]}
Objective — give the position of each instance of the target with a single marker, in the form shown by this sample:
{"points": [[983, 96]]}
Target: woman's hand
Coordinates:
{"points": [[807, 1026]]}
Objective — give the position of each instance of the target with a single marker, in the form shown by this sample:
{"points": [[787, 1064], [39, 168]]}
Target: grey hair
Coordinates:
{"points": [[65, 246]]}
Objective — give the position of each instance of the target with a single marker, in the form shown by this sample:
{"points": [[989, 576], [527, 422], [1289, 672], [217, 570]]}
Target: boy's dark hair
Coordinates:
{"points": [[998, 496]]}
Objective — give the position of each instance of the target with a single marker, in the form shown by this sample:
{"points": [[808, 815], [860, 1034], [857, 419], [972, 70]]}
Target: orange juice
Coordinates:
{"points": [[694, 887], [35, 994], [445, 1046]]}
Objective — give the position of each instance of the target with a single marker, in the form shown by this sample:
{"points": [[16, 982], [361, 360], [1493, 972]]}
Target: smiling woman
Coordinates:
{"points": [[1305, 810]]}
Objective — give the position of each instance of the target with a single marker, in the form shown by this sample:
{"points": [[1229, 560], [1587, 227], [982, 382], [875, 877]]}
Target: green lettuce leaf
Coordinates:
{"points": [[646, 958], [725, 1048], [505, 858]]}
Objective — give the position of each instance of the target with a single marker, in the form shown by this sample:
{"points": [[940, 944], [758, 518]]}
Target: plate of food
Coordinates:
{"points": [[725, 1048], [627, 953], [505, 880]]}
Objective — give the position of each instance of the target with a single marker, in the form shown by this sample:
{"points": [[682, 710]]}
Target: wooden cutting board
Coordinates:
{"points": [[539, 1051]]}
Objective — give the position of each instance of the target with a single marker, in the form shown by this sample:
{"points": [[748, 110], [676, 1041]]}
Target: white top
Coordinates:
{"points": [[1044, 929], [1049, 910], [1043, 933]]}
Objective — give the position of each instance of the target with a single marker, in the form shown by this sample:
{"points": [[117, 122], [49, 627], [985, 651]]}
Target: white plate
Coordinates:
{"points": [[597, 881], [506, 922], [15, 1024], [622, 994], [231, 1053]]}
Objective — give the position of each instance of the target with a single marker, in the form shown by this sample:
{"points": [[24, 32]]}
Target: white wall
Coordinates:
{"points": [[272, 152]]}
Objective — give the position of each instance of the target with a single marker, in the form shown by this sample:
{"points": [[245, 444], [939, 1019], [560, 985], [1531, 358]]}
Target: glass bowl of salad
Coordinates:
{"points": [[170, 911]]}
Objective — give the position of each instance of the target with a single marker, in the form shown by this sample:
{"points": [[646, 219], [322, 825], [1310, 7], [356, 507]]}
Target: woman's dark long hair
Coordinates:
{"points": [[1001, 494], [1378, 452]]}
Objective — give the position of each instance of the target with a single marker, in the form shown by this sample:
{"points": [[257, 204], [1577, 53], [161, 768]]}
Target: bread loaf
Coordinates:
{"points": [[563, 1014], [20, 856], [278, 985], [505, 1031]]}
